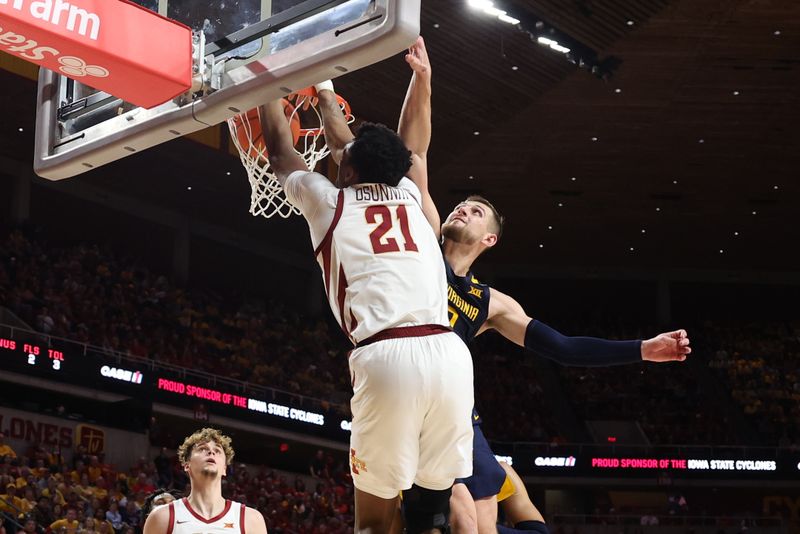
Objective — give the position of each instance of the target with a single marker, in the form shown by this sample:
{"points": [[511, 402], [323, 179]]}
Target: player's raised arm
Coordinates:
{"points": [[283, 158], [415, 116], [337, 133], [415, 126], [508, 317]]}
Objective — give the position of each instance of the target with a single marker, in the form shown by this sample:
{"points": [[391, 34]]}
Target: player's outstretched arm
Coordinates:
{"points": [[415, 117], [158, 521], [508, 317], [415, 126], [337, 132], [283, 158], [254, 522]]}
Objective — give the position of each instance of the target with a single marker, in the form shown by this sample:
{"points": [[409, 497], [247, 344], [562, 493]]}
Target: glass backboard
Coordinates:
{"points": [[247, 53]]}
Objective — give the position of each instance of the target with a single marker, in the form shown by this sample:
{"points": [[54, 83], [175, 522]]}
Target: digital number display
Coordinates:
{"points": [[34, 355]]}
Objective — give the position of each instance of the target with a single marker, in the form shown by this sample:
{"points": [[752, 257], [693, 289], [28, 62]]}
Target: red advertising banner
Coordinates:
{"points": [[115, 46]]}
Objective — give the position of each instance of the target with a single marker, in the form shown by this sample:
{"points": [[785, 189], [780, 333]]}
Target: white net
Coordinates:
{"points": [[266, 194]]}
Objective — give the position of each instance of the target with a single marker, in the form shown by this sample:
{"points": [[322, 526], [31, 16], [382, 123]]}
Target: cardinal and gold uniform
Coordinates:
{"points": [[185, 520], [386, 286]]}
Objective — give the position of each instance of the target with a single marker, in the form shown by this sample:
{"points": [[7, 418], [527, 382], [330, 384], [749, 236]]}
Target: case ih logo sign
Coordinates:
{"points": [[554, 461], [123, 375]]}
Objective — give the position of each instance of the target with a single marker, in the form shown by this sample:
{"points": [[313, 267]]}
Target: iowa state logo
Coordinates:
{"points": [[93, 438]]}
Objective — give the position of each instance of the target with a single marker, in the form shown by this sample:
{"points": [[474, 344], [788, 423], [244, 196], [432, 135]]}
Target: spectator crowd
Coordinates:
{"points": [[90, 294], [43, 493]]}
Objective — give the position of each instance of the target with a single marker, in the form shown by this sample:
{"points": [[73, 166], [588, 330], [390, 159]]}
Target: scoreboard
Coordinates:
{"points": [[150, 381], [32, 356]]}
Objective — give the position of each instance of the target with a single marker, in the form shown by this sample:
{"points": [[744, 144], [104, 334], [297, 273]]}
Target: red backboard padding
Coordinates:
{"points": [[115, 46]]}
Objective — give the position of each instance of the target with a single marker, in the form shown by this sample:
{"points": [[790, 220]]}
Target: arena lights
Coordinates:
{"points": [[544, 34], [553, 44], [488, 7]]}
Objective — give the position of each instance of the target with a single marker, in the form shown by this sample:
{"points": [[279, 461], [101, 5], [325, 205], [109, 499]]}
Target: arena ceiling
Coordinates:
{"points": [[686, 156]]}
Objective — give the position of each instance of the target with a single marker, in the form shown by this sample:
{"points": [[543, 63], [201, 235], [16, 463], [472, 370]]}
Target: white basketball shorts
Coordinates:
{"points": [[411, 405]]}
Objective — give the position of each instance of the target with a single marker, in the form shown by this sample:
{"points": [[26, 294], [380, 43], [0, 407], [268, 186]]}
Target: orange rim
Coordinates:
{"points": [[310, 93]]}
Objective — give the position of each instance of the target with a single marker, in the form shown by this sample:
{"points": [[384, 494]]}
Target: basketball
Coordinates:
{"points": [[249, 137]]}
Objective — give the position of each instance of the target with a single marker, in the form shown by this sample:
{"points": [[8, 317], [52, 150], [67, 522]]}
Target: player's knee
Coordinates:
{"points": [[486, 509], [463, 516], [425, 510]]}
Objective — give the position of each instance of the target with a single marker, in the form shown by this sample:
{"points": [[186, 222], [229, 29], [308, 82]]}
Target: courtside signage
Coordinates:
{"points": [[114, 46], [123, 375], [239, 401], [554, 461], [691, 464]]}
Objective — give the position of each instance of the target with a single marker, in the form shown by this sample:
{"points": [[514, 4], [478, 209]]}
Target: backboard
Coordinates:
{"points": [[247, 52]]}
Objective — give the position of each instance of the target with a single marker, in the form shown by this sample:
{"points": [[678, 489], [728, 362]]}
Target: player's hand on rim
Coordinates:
{"points": [[417, 58], [667, 347]]}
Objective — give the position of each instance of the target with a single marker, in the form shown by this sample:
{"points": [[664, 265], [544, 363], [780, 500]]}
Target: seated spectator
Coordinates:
{"points": [[28, 501], [53, 493], [96, 469], [131, 515], [143, 484], [99, 490], [9, 502], [42, 513], [89, 526], [5, 449], [114, 516], [67, 525], [29, 526]]}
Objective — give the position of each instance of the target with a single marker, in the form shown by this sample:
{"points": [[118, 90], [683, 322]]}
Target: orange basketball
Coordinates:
{"points": [[248, 129]]}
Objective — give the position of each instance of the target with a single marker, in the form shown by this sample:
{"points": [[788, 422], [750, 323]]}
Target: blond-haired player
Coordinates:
{"points": [[473, 227], [205, 456]]}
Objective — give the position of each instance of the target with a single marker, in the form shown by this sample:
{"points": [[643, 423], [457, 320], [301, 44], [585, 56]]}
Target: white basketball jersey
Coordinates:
{"points": [[184, 520], [381, 264]]}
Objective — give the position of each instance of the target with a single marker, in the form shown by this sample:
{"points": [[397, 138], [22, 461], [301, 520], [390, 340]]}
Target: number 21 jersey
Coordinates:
{"points": [[381, 264]]}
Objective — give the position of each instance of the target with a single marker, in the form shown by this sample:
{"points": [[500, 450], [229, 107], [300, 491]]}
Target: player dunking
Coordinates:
{"points": [[473, 227], [386, 285], [205, 455]]}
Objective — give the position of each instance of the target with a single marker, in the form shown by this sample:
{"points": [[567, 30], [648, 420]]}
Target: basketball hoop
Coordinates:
{"points": [[302, 112]]}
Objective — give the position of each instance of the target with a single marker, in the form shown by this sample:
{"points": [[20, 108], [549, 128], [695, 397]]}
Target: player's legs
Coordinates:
{"points": [[485, 483], [374, 515], [426, 511], [486, 509], [518, 507], [384, 440], [445, 442], [463, 516], [397, 521]]}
